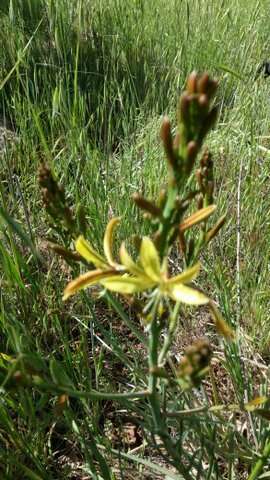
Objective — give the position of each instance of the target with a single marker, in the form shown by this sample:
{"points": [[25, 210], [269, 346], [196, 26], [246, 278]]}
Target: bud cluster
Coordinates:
{"points": [[195, 363], [196, 116], [54, 198], [205, 179]]}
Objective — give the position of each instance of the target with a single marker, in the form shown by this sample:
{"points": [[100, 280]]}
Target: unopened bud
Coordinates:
{"points": [[192, 150], [64, 252], [81, 218], [184, 108], [208, 123], [162, 198], [214, 231], [203, 83], [192, 82], [159, 372], [166, 137], [176, 142], [203, 101], [182, 242], [198, 174], [200, 202], [144, 204]]}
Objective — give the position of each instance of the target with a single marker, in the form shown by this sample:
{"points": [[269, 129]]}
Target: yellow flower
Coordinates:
{"points": [[130, 277]]}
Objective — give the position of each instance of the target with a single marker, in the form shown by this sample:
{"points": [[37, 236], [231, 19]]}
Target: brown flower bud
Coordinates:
{"points": [[192, 82], [144, 204], [200, 202], [203, 101], [208, 123], [166, 137], [194, 364], [64, 252], [182, 242], [192, 150], [184, 108], [203, 83], [176, 142], [214, 231]]}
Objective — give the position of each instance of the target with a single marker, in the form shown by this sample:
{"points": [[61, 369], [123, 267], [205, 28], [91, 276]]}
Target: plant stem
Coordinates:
{"points": [[159, 419], [170, 334], [260, 463]]}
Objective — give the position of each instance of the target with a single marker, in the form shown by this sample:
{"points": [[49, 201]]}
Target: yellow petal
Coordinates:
{"points": [[108, 239], [150, 260], [256, 402], [197, 217], [221, 325], [126, 285], [184, 294], [86, 250], [127, 261], [85, 280], [185, 277]]}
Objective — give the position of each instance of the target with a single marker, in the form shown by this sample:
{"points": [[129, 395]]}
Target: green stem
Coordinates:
{"points": [[170, 335], [261, 462], [167, 216], [92, 395], [160, 419]]}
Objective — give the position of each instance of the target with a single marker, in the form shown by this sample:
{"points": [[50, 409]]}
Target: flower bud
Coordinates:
{"points": [[144, 204], [166, 137], [203, 83], [192, 82]]}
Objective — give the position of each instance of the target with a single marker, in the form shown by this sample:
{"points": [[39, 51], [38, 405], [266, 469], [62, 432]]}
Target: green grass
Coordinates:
{"points": [[85, 85]]}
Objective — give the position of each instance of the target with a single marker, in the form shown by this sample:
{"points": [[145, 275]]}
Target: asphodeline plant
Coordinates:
{"points": [[145, 278]]}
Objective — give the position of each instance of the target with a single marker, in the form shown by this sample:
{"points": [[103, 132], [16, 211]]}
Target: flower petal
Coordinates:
{"points": [[185, 277], [86, 250], [149, 259], [126, 285], [108, 240], [127, 262], [85, 280], [221, 325], [184, 294], [197, 217]]}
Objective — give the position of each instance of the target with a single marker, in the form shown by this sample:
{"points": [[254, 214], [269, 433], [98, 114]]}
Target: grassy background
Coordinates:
{"points": [[84, 84]]}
